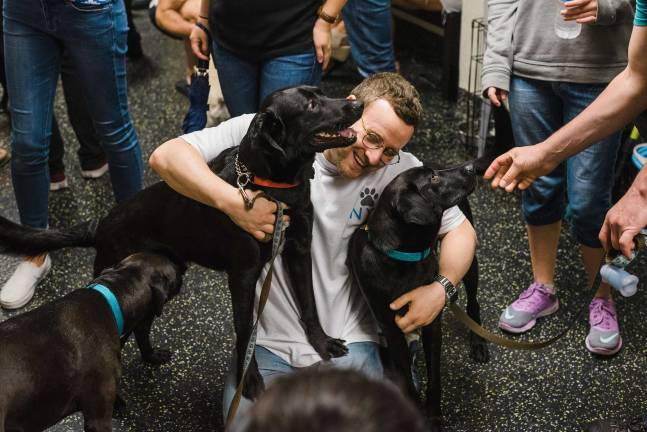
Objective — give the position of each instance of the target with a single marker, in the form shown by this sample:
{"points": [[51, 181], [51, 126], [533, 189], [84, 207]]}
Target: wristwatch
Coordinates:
{"points": [[450, 289], [328, 18]]}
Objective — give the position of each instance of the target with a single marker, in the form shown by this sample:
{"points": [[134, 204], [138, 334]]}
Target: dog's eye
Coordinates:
{"points": [[435, 178]]}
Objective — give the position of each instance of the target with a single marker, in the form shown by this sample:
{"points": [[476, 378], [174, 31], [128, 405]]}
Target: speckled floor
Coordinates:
{"points": [[557, 389]]}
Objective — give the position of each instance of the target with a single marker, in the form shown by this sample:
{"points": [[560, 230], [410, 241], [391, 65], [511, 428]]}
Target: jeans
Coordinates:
{"points": [[370, 34], [362, 356], [245, 83], [36, 33], [539, 108]]}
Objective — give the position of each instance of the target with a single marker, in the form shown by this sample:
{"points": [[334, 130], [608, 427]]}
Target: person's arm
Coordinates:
{"points": [[185, 170], [623, 99], [198, 37], [169, 18], [625, 219], [457, 249], [321, 35], [497, 60]]}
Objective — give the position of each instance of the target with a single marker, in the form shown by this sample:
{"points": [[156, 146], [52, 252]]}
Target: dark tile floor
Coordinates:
{"points": [[557, 389]]}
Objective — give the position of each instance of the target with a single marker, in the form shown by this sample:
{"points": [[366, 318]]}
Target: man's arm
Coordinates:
{"points": [[321, 32], [199, 39], [169, 18], [186, 171], [457, 249], [623, 99]]}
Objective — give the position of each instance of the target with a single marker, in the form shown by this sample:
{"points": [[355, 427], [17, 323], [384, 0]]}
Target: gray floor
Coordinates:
{"points": [[557, 389]]}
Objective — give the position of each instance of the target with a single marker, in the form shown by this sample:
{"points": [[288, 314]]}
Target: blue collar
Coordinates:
{"points": [[400, 255], [113, 303], [408, 256]]}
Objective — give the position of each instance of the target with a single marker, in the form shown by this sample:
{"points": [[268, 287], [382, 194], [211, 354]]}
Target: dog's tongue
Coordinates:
{"points": [[347, 133]]}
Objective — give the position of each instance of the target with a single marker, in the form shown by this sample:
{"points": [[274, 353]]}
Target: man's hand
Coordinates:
{"points": [[520, 167], [582, 11], [425, 303], [259, 220], [497, 95], [200, 42], [323, 41], [624, 221]]}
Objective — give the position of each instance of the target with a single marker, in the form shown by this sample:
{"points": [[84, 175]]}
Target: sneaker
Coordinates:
{"points": [[538, 300], [20, 287], [95, 173], [604, 337], [57, 181], [634, 425], [183, 87]]}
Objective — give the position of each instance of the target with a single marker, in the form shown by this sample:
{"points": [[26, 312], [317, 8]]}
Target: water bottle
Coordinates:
{"points": [[565, 29]]}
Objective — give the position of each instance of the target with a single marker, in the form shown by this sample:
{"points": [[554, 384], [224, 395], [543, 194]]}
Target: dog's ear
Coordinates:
{"points": [[272, 130], [415, 209]]}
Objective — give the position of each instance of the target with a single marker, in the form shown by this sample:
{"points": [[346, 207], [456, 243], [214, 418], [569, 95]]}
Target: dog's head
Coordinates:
{"points": [[291, 126], [161, 273], [414, 202]]}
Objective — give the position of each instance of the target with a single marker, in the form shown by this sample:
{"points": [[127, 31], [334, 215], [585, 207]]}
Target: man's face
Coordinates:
{"points": [[379, 123]]}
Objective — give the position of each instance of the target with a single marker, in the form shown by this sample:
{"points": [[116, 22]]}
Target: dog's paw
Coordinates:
{"points": [[368, 197], [336, 347], [479, 350], [157, 356], [254, 384]]}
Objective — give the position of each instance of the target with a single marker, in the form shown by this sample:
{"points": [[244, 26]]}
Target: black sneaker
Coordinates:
{"points": [[635, 425]]}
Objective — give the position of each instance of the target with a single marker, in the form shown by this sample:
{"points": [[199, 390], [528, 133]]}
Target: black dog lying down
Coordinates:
{"points": [[407, 218], [65, 356], [280, 145]]}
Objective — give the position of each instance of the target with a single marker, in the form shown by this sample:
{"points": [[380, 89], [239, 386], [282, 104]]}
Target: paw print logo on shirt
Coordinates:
{"points": [[368, 197]]}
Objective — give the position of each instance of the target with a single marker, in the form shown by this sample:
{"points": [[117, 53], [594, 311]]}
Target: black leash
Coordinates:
{"points": [[277, 247]]}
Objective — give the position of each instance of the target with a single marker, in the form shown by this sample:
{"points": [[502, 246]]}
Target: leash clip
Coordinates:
{"points": [[243, 179]]}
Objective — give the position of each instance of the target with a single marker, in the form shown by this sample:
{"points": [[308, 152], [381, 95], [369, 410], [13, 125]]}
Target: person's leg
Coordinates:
{"points": [[101, 59], [92, 158], [3, 75], [288, 71], [536, 112], [134, 49], [32, 59], [590, 182], [57, 180], [239, 81], [270, 365], [370, 33]]}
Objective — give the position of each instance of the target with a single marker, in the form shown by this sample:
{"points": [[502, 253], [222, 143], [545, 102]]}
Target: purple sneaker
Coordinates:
{"points": [[536, 301], [604, 337]]}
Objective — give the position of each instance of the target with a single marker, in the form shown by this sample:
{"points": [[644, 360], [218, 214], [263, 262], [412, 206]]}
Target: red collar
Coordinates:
{"points": [[269, 183]]}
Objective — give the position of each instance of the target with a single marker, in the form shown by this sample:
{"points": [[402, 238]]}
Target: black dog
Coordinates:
{"points": [[280, 145], [407, 218], [65, 356]]}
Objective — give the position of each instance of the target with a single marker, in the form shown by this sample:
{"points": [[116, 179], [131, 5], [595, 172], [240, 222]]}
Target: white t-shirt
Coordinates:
{"points": [[340, 206]]}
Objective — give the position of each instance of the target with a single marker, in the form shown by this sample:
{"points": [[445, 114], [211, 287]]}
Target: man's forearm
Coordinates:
{"points": [[182, 167], [457, 250], [621, 102]]}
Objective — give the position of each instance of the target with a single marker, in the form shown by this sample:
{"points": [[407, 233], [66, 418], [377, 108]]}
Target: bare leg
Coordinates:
{"points": [[543, 241], [592, 258]]}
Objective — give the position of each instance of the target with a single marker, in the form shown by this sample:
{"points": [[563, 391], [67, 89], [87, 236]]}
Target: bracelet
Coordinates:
{"points": [[203, 28], [328, 18], [450, 289]]}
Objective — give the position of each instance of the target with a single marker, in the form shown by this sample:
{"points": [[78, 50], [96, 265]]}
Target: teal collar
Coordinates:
{"points": [[113, 303], [403, 256]]}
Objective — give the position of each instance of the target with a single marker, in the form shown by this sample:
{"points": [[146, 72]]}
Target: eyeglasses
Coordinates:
{"points": [[374, 141]]}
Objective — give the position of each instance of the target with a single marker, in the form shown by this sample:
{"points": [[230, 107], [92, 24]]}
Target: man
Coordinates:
{"points": [[619, 103], [346, 184]]}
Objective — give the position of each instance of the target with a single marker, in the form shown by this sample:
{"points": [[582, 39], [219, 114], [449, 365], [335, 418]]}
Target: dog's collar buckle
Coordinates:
{"points": [[243, 179]]}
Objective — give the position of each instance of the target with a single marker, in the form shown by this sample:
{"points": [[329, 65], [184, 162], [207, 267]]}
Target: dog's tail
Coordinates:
{"points": [[22, 240]]}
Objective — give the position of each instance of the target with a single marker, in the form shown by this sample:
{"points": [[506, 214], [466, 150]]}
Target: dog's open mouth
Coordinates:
{"points": [[331, 139]]}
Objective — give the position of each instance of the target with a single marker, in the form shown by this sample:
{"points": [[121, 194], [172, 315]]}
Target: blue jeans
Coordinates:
{"points": [[539, 108], [36, 32], [246, 83], [370, 34], [362, 356]]}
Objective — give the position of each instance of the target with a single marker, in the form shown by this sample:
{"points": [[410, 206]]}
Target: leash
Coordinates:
{"points": [[277, 247]]}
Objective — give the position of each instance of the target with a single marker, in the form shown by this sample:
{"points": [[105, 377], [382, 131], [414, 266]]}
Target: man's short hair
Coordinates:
{"points": [[392, 87], [333, 400]]}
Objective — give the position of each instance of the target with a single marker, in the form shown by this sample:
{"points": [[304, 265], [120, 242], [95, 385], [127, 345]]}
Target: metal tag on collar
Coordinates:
{"points": [[243, 179]]}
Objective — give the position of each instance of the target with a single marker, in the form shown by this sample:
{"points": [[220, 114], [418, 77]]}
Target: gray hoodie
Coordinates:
{"points": [[521, 40]]}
